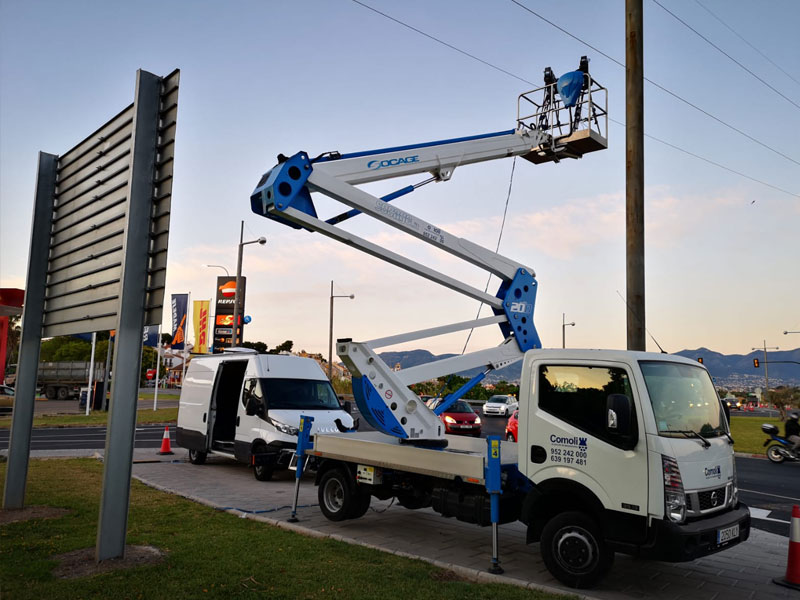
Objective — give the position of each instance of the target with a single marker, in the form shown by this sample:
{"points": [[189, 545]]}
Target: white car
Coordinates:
{"points": [[500, 405]]}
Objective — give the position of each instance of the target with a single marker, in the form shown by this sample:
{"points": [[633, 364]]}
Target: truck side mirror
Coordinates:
{"points": [[619, 411]]}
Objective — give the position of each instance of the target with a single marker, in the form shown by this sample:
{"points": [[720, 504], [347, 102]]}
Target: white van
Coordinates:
{"points": [[247, 406]]}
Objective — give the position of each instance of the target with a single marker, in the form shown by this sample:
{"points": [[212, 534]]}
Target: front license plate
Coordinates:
{"points": [[727, 534]]}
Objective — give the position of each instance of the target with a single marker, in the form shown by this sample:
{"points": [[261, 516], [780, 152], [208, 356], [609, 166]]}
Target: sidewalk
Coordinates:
{"points": [[743, 572]]}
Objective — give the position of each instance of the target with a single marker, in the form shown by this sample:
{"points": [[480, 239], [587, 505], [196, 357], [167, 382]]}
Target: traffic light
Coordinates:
{"points": [[700, 359], [755, 363]]}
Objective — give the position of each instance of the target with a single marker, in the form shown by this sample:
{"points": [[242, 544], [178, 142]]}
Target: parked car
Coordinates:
{"points": [[500, 405], [6, 390], [512, 427], [459, 418]]}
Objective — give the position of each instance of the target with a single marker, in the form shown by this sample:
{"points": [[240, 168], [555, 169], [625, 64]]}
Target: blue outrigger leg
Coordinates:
{"points": [[303, 444]]}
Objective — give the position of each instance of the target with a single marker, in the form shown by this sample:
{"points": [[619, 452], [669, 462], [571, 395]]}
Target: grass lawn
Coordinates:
{"points": [[210, 554], [143, 417], [746, 431]]}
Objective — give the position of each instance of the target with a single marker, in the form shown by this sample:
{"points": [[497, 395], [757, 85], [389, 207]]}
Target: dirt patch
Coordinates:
{"points": [[32, 512], [446, 575], [81, 563]]}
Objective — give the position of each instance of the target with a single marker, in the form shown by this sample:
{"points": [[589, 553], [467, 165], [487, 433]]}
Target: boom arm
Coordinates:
{"points": [[284, 195]]}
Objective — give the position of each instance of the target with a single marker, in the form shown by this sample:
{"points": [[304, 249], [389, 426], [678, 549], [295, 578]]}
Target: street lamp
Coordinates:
{"points": [[220, 267], [564, 330], [330, 332], [766, 372], [788, 332], [242, 244]]}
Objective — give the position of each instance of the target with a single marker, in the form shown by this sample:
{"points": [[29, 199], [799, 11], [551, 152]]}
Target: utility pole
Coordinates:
{"points": [[766, 371], [634, 174]]}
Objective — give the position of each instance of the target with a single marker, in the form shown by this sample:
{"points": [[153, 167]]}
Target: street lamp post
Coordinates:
{"points": [[220, 267], [788, 332], [564, 326], [242, 244], [330, 332], [766, 372]]}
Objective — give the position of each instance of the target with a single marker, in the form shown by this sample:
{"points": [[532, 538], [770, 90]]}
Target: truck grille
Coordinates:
{"points": [[711, 499]]}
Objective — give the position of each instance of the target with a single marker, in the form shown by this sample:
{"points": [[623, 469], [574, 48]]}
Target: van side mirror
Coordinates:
{"points": [[347, 406], [619, 415]]}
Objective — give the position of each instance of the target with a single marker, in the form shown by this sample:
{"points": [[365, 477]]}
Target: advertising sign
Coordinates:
{"points": [[150, 336], [180, 306], [200, 319], [223, 319]]}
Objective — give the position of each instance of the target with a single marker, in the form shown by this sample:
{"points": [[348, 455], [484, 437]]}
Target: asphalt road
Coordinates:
{"points": [[86, 438]]}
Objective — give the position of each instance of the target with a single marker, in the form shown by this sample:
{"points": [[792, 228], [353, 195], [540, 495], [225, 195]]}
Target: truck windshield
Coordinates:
{"points": [[684, 400], [299, 394]]}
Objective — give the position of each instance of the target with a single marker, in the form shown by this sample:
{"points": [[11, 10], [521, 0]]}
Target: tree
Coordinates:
{"points": [[284, 347], [14, 333], [784, 396], [259, 347]]}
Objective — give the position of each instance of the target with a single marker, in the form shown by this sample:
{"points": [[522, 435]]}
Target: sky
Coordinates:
{"points": [[722, 251]]}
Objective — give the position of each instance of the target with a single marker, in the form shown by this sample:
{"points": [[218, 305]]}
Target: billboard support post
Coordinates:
{"points": [[118, 456], [19, 444]]}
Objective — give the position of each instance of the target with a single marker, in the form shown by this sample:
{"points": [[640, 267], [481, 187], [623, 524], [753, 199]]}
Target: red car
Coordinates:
{"points": [[460, 419], [512, 427]]}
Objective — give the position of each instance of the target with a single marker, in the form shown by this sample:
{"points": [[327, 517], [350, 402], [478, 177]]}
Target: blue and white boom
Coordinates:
{"points": [[570, 120]]}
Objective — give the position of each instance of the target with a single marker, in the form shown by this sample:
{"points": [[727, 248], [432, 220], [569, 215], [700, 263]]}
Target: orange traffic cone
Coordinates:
{"points": [[165, 447], [792, 579]]}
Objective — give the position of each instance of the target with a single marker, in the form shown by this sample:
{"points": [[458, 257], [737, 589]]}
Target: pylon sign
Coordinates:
{"points": [[98, 258]]}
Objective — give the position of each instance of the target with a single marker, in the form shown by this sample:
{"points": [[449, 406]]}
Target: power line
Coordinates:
{"points": [[736, 33], [678, 148], [713, 45], [711, 162], [659, 86]]}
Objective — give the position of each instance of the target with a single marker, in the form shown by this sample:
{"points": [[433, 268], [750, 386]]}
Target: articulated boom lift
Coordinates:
{"points": [[570, 120]]}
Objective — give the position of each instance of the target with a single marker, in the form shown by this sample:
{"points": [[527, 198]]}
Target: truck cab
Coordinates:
{"points": [[594, 427]]}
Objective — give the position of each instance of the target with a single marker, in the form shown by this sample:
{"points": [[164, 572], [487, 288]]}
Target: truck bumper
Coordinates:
{"points": [[674, 542]]}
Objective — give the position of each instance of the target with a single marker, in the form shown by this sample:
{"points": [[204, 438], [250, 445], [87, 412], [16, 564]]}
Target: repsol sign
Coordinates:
{"points": [[374, 165]]}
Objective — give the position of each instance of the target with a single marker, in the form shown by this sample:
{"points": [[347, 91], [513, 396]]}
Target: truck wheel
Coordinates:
{"points": [[360, 506], [262, 472], [196, 457], [338, 498], [63, 393], [50, 393], [574, 550], [775, 454]]}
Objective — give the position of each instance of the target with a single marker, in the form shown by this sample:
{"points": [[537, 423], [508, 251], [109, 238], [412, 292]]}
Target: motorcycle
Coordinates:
{"points": [[780, 449]]}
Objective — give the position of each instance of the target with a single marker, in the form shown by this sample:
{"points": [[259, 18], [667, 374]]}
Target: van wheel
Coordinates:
{"points": [[338, 497], [262, 472], [574, 550], [196, 457]]}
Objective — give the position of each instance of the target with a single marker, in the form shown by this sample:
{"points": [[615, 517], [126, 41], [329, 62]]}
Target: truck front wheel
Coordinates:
{"points": [[50, 392], [63, 393], [574, 550]]}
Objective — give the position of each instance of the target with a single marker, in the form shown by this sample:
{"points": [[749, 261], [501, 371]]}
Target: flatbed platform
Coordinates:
{"points": [[463, 457]]}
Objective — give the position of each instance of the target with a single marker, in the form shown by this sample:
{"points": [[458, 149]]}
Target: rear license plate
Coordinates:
{"points": [[727, 534]]}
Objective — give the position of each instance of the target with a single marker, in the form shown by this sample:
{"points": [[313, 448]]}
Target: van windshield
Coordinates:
{"points": [[299, 394], [684, 400]]}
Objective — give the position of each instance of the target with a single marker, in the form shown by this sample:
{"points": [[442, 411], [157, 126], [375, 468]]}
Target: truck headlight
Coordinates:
{"points": [[284, 428], [674, 495], [734, 495]]}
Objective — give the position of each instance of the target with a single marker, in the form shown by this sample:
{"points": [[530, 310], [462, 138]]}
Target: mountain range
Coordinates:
{"points": [[730, 371]]}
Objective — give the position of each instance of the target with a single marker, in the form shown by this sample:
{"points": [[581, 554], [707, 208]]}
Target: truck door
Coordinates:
{"points": [[570, 444]]}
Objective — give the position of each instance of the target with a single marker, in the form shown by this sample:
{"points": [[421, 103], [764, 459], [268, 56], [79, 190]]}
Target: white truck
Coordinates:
{"points": [[247, 406], [617, 451]]}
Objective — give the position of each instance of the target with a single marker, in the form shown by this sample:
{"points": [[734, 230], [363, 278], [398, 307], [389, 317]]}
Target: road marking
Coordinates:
{"points": [[771, 495], [762, 514]]}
